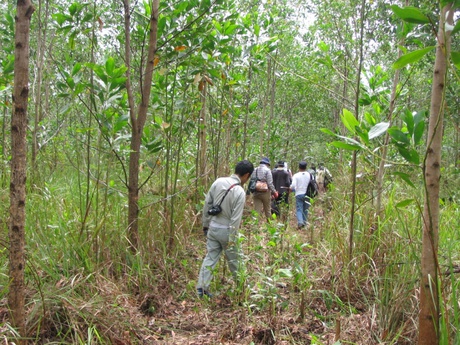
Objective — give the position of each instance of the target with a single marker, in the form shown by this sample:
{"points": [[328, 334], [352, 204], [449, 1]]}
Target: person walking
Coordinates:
{"points": [[323, 178], [312, 171], [282, 181], [262, 198], [221, 228], [299, 185]]}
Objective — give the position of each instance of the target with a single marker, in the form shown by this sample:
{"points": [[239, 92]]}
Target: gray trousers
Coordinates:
{"points": [[219, 240]]}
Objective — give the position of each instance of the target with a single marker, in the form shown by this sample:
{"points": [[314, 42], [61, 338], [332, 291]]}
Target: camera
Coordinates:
{"points": [[215, 210]]}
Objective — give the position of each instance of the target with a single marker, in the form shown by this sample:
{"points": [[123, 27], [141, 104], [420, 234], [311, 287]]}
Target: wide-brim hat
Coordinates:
{"points": [[265, 160]]}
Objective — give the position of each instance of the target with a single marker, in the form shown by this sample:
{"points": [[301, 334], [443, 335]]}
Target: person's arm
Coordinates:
{"points": [[293, 184], [269, 178], [208, 203]]}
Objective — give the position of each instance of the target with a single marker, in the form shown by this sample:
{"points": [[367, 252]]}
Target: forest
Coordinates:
{"points": [[117, 116]]}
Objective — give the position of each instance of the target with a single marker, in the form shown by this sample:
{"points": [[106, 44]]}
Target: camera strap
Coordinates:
{"points": [[226, 192]]}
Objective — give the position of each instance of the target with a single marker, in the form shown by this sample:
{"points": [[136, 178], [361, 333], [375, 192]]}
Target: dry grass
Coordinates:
{"points": [[158, 305]]}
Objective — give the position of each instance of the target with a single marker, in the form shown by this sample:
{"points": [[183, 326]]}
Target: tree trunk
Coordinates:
{"points": [[354, 161], [263, 118], [16, 294], [41, 45], [203, 132], [429, 299], [246, 115], [138, 120]]}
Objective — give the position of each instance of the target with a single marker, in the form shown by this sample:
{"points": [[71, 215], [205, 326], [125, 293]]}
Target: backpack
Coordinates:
{"points": [[327, 179], [312, 189], [252, 187], [320, 175], [252, 184]]}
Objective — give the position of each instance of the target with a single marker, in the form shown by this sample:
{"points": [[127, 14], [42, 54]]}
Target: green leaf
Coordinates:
{"points": [[87, 18], [217, 25], [61, 18], [181, 8], [345, 146], [230, 29], [410, 14], [369, 119], [70, 82], [161, 25], [404, 203], [418, 132], [73, 8], [411, 57], [399, 136], [405, 177], [76, 68], [253, 106], [121, 122], [409, 155], [109, 66], [408, 118], [455, 56], [327, 131], [100, 73], [420, 117], [378, 130], [350, 140], [117, 82], [154, 146], [362, 133], [323, 46], [284, 272], [349, 120], [8, 65], [256, 30], [72, 40], [456, 28]]}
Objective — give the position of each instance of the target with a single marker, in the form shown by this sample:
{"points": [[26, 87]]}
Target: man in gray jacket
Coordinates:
{"points": [[221, 229]]}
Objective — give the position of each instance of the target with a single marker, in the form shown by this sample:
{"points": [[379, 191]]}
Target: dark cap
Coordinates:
{"points": [[265, 160], [302, 165], [280, 163]]}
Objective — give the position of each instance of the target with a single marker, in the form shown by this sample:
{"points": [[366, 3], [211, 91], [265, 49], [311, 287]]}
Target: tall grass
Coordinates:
{"points": [[85, 286]]}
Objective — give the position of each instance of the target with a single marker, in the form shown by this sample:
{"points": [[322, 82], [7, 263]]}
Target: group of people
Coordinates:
{"points": [[282, 182], [225, 200]]}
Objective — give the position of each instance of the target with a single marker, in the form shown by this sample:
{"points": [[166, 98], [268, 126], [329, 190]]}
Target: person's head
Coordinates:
{"points": [[321, 165], [313, 167], [244, 170], [265, 161], [302, 165], [280, 164]]}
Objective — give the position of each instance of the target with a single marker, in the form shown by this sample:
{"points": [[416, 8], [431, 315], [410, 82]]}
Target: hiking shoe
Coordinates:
{"points": [[202, 293]]}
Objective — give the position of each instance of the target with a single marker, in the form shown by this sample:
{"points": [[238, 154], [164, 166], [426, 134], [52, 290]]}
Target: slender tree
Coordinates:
{"points": [[16, 295], [40, 66], [429, 299], [354, 159], [138, 116]]}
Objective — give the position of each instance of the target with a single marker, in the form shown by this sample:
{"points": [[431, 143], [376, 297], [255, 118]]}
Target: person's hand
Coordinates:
{"points": [[275, 195], [205, 231]]}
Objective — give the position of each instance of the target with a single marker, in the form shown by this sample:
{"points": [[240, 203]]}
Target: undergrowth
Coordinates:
{"points": [[84, 286]]}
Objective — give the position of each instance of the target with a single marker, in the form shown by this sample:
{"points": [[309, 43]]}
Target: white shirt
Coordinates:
{"points": [[300, 182]]}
